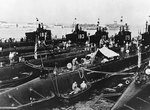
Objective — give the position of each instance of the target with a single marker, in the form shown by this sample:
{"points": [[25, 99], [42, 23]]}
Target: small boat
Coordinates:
{"points": [[70, 95]]}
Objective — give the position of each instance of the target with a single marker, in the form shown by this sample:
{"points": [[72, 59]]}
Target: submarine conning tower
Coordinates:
{"points": [[101, 35], [123, 36], [41, 33], [78, 36], [146, 35]]}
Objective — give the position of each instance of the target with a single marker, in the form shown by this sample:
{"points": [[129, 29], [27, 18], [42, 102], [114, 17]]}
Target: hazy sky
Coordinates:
{"points": [[64, 11]]}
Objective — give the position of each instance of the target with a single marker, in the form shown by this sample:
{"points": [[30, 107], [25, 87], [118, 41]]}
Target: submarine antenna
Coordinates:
{"points": [[149, 19], [146, 29], [74, 24], [98, 22], [121, 20]]}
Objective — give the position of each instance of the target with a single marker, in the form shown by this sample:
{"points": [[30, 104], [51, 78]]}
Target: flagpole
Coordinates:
{"points": [[35, 48], [36, 41], [139, 53]]}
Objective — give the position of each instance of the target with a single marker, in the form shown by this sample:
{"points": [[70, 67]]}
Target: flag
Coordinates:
{"points": [[35, 49]]}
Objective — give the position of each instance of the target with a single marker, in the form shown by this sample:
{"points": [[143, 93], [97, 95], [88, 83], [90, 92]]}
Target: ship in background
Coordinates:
{"points": [[114, 26]]}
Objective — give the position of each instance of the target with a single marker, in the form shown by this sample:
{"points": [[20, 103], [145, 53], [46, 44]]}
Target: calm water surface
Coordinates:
{"points": [[19, 32]]}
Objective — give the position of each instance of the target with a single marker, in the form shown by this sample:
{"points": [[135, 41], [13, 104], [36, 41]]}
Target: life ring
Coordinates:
{"points": [[69, 65], [147, 71], [127, 82]]}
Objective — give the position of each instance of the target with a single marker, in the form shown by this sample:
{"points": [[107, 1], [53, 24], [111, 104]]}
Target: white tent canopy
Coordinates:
{"points": [[92, 55], [107, 52]]}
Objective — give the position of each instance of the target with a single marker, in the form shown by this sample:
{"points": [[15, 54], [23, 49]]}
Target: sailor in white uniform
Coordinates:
{"points": [[74, 85], [83, 85], [12, 56], [75, 88]]}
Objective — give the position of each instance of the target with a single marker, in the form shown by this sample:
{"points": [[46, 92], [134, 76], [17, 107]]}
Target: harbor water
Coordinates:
{"points": [[19, 32]]}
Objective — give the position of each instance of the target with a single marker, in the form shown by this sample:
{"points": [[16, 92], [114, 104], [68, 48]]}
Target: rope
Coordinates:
{"points": [[33, 65], [56, 89], [38, 66], [52, 82], [106, 73], [102, 72], [57, 86], [14, 99], [81, 73], [31, 89]]}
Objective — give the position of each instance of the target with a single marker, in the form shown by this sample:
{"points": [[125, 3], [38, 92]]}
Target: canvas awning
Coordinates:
{"points": [[107, 52], [92, 55]]}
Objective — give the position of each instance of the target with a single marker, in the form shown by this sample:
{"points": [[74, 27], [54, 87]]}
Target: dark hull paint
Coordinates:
{"points": [[112, 66], [41, 87], [10, 71], [28, 54], [59, 84], [17, 70], [135, 98]]}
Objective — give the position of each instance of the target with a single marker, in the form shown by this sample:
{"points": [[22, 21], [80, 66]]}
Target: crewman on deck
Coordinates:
{"points": [[69, 43], [12, 57], [83, 85], [74, 85], [74, 64], [20, 59], [75, 88]]}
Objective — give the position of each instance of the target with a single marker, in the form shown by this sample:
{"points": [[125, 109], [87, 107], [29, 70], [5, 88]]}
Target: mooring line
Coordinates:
{"points": [[14, 99], [36, 92]]}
